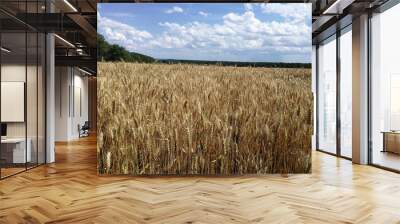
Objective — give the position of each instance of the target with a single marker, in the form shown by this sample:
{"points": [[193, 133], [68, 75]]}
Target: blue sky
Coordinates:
{"points": [[227, 32]]}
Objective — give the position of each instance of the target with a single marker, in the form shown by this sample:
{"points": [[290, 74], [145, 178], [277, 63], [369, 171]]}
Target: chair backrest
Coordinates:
{"points": [[86, 125]]}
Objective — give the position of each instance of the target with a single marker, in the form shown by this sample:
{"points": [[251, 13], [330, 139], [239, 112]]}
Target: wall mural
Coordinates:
{"points": [[204, 89]]}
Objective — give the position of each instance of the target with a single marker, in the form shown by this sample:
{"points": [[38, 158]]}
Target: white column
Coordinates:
{"points": [[360, 89], [50, 99]]}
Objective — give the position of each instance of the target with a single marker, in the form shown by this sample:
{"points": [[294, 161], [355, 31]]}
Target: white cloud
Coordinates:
{"points": [[121, 14], [291, 12], [236, 35], [174, 9], [120, 33], [238, 32], [203, 13], [248, 6]]}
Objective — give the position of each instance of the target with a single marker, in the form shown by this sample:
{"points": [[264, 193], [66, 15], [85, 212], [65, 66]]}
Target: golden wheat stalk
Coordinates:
{"points": [[193, 119]]}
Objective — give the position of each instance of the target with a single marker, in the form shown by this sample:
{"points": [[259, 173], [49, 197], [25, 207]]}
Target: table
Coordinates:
{"points": [[391, 141]]}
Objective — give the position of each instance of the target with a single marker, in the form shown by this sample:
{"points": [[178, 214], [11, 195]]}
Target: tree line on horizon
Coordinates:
{"points": [[114, 52]]}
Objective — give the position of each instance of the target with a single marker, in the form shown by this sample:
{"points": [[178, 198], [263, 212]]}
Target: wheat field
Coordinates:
{"points": [[181, 119]]}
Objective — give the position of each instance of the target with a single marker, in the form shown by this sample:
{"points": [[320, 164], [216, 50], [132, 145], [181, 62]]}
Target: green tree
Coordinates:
{"points": [[108, 52], [102, 48]]}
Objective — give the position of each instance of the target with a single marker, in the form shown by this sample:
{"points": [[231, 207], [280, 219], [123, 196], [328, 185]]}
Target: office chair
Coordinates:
{"points": [[84, 130]]}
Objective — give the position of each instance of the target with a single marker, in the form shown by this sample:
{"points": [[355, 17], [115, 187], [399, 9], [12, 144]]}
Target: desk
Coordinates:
{"points": [[391, 141], [13, 150]]}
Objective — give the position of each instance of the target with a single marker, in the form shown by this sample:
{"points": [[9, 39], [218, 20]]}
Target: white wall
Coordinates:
{"points": [[12, 73], [80, 84], [69, 82], [62, 82], [34, 124]]}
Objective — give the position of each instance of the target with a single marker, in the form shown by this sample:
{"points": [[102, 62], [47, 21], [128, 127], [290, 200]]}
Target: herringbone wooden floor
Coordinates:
{"points": [[69, 191]]}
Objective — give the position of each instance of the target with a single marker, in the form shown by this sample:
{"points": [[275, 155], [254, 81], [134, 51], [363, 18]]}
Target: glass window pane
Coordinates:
{"points": [[13, 86], [385, 92], [22, 89], [346, 93], [327, 96]]}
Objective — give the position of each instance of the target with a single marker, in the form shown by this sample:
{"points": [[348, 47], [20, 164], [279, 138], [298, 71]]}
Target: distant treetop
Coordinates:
{"points": [[114, 52]]}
